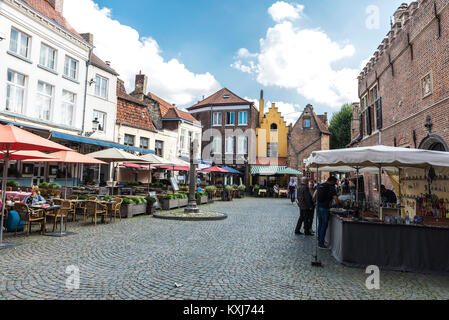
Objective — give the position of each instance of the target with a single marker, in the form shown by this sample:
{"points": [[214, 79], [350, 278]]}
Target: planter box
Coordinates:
{"points": [[170, 204], [183, 203], [131, 210], [202, 200]]}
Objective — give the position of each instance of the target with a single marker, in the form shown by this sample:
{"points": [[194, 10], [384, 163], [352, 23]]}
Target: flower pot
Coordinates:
{"points": [[131, 210], [183, 203]]}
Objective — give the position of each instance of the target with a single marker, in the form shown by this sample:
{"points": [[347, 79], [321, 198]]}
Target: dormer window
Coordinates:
{"points": [[226, 96]]}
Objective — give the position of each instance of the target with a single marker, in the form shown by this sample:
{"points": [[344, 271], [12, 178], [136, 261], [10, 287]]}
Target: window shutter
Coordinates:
{"points": [[369, 130], [379, 113]]}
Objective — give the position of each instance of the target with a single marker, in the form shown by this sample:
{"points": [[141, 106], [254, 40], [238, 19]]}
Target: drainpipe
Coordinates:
{"points": [[85, 90]]}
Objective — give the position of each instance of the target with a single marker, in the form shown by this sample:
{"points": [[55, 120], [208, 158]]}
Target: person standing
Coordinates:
{"points": [[310, 217], [306, 206], [324, 196], [292, 189]]}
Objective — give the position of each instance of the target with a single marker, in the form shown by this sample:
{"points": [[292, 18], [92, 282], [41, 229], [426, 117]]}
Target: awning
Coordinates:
{"points": [[273, 171], [101, 143], [232, 170]]}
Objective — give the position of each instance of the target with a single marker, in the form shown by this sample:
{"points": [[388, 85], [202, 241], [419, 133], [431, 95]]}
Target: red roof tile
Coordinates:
{"points": [[131, 111], [96, 61], [224, 97], [169, 111], [45, 8]]}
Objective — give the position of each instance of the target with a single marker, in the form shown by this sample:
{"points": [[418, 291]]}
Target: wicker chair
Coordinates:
{"points": [[94, 209], [116, 208], [30, 217], [73, 198], [58, 214], [92, 198]]}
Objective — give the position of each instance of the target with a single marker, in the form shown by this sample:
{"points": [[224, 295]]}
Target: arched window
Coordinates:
{"points": [[274, 127]]}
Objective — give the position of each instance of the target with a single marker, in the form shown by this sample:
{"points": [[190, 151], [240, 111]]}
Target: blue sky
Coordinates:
{"points": [[204, 37]]}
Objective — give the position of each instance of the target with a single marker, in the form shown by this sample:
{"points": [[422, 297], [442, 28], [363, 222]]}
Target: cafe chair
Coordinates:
{"points": [[92, 198], [57, 214], [73, 198], [116, 209], [94, 209], [30, 216]]}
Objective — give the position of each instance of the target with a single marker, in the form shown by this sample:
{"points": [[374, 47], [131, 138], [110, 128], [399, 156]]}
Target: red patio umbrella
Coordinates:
{"points": [[12, 140], [215, 169]]}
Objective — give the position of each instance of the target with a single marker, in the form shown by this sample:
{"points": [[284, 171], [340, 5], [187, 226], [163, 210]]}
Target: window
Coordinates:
{"points": [[44, 100], [101, 118], [48, 57], [144, 143], [68, 107], [129, 140], [217, 119], [243, 118], [379, 119], [159, 148], [307, 123], [19, 43], [242, 147], [373, 93], [274, 127], [229, 145], [216, 145], [272, 150], [182, 142], [230, 118], [101, 87], [71, 68], [15, 92], [427, 85]]}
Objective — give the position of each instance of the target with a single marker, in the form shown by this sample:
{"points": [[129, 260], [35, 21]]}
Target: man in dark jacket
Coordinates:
{"points": [[306, 206]]}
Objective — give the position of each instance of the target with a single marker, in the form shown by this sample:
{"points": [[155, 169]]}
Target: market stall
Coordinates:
{"points": [[410, 235]]}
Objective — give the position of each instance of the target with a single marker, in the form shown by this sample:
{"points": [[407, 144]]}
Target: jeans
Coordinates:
{"points": [[292, 194], [323, 222]]}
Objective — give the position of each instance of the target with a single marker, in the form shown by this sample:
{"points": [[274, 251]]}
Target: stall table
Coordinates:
{"points": [[409, 248]]}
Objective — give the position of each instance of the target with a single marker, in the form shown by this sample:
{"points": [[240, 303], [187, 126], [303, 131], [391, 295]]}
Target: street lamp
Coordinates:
{"points": [[95, 124]]}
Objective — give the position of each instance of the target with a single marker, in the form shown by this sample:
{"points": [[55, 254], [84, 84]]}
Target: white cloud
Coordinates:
{"points": [[131, 52], [282, 10], [302, 59]]}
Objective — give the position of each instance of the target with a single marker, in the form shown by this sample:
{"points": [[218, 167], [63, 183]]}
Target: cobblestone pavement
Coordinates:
{"points": [[254, 254]]}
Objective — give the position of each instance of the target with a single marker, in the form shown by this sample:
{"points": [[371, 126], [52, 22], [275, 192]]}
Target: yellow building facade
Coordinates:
{"points": [[272, 135]]}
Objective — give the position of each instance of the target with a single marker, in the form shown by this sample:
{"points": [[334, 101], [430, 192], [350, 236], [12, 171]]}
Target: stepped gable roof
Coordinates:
{"points": [[223, 97]]}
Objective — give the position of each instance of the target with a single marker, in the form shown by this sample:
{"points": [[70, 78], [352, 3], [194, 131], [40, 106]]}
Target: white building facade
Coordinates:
{"points": [[43, 69]]}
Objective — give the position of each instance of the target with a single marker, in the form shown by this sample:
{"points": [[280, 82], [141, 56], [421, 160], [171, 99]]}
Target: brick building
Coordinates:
{"points": [[229, 128], [404, 89], [310, 133]]}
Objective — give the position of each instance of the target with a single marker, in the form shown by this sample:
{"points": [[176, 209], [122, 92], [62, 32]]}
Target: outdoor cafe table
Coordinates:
{"points": [[46, 209]]}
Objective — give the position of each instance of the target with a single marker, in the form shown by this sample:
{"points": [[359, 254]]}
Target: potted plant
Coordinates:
{"points": [[169, 202], [228, 193], [201, 198], [211, 192], [150, 205], [133, 206], [183, 200], [242, 189]]}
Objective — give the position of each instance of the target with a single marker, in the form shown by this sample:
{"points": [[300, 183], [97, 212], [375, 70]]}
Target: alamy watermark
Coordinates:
{"points": [[73, 280], [373, 281], [372, 21]]}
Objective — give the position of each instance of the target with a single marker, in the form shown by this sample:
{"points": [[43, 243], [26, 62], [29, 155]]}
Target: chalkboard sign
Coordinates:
{"points": [[174, 184]]}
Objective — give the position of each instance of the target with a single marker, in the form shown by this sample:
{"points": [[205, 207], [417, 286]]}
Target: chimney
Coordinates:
{"points": [[108, 63], [89, 37], [141, 86], [58, 5]]}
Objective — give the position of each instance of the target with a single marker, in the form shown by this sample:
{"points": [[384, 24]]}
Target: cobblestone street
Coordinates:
{"points": [[254, 254]]}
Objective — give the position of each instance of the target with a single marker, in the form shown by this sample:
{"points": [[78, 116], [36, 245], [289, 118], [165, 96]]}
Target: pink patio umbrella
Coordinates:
{"points": [[13, 140]]}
